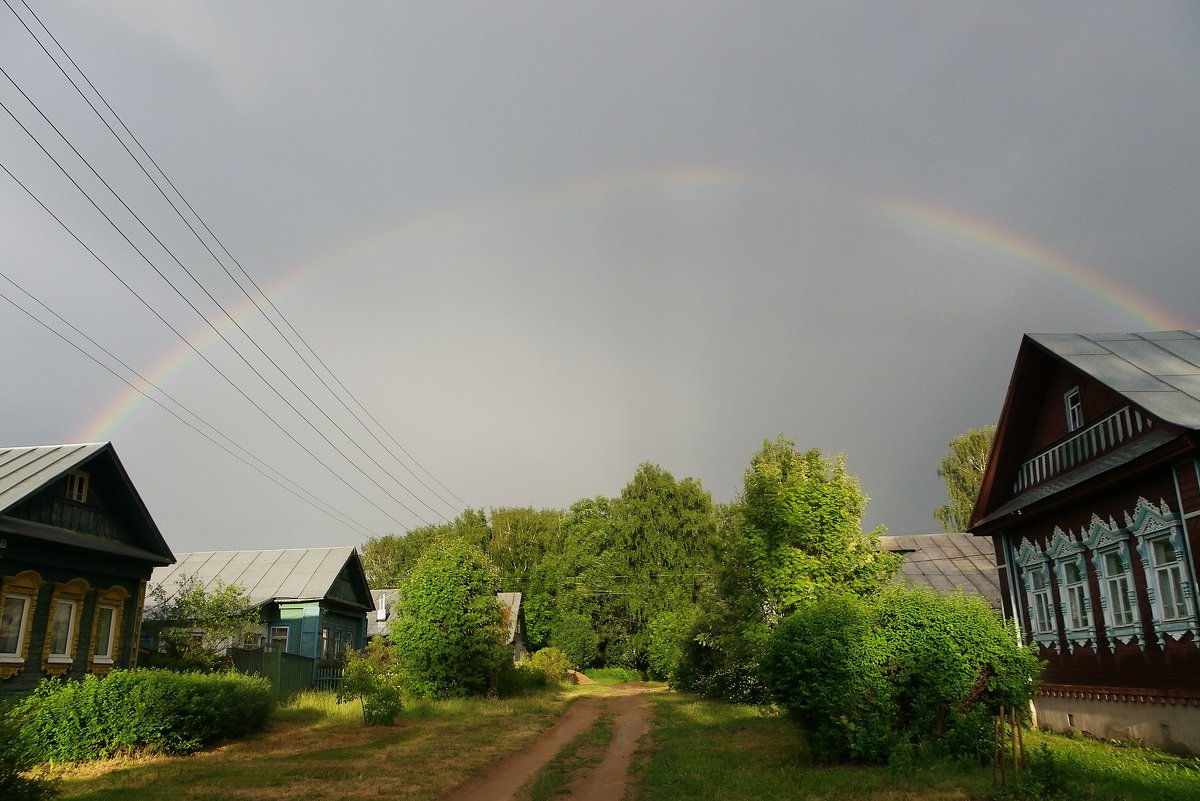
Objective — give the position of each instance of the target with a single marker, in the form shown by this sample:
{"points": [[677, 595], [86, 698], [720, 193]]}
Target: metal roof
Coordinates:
{"points": [[385, 606], [1158, 371], [948, 562], [24, 471], [293, 574]]}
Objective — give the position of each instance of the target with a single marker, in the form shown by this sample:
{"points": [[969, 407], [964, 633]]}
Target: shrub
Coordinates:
{"points": [[140, 710], [518, 678], [613, 675], [15, 760], [376, 690], [550, 662], [907, 665]]}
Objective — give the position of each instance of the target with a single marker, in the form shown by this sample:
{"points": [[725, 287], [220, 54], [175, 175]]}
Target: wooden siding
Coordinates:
{"points": [[1171, 666], [1051, 427]]}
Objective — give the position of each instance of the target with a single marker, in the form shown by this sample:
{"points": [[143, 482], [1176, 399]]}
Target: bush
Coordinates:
{"points": [[15, 760], [865, 676], [140, 710], [613, 675], [376, 690], [550, 662], [516, 679], [574, 636]]}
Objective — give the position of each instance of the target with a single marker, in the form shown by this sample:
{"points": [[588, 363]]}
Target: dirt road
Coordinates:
{"points": [[605, 782]]}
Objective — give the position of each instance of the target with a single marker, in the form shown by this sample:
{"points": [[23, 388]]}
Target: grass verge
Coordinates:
{"points": [[316, 749]]}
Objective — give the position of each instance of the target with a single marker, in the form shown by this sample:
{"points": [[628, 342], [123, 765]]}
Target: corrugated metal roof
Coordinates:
{"points": [[291, 574], [948, 562], [24, 471], [1158, 371]]}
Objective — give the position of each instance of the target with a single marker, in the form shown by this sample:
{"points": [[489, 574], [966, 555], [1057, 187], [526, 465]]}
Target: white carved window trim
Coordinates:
{"points": [[1153, 525], [1033, 564], [1067, 552], [1108, 540]]}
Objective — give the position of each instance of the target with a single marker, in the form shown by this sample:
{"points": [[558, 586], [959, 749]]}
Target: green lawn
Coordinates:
{"points": [[698, 750]]}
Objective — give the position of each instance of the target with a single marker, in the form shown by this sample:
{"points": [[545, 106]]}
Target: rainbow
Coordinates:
{"points": [[675, 181]]}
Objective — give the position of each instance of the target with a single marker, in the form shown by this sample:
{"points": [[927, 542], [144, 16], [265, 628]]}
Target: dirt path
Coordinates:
{"points": [[606, 781]]}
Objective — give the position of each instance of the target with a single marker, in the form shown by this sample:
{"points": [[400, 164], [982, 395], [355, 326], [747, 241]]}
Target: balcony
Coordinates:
{"points": [[1088, 443]]}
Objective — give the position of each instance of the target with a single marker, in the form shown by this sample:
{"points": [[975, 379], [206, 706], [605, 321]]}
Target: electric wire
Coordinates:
{"points": [[338, 517], [242, 269], [202, 316], [194, 349], [228, 316]]}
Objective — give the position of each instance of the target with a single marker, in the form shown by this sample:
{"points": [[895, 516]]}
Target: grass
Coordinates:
{"points": [[705, 750], [315, 748], [584, 751], [608, 676]]}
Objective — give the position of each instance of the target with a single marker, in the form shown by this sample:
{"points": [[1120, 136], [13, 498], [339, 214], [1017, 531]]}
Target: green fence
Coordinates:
{"points": [[288, 673]]}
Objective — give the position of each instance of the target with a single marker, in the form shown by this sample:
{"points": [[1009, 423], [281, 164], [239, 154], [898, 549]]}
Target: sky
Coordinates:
{"points": [[542, 243]]}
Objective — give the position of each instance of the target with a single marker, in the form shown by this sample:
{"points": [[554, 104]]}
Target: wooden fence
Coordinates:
{"points": [[288, 673]]}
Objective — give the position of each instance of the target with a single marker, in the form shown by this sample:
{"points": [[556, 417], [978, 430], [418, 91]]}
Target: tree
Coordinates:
{"points": [[962, 469], [803, 518], [387, 560], [449, 637], [197, 624]]}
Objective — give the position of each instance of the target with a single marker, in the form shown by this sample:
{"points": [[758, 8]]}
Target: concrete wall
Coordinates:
{"points": [[1171, 727]]}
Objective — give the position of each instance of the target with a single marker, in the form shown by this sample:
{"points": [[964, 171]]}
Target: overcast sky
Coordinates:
{"points": [[544, 242]]}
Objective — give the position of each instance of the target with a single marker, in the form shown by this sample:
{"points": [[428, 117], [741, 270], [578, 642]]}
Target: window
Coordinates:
{"points": [[61, 628], [1074, 410], [1042, 614], [77, 486], [324, 645], [1116, 578], [12, 625], [1168, 580], [1076, 594], [106, 616], [279, 638]]}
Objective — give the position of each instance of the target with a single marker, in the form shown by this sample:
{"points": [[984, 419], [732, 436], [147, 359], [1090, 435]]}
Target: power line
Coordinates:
{"points": [[188, 342], [228, 316], [309, 498], [243, 271]]}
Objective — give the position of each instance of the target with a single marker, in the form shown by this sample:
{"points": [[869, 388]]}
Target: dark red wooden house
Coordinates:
{"points": [[1092, 497]]}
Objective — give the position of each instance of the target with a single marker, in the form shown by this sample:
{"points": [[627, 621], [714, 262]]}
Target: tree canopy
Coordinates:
{"points": [[962, 469]]}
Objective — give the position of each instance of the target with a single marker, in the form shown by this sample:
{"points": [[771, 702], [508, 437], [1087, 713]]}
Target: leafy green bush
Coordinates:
{"points": [[376, 690], [520, 678], [550, 662], [612, 675], [573, 635], [15, 760], [907, 665], [140, 710]]}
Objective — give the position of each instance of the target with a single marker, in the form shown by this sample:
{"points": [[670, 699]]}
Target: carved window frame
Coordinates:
{"points": [[114, 599], [1066, 551], [72, 592], [1149, 525], [1105, 540], [1033, 562], [25, 585]]}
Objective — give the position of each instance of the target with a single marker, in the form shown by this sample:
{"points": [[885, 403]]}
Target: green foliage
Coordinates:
{"points": [[865, 675], [574, 636], [669, 634], [449, 636], [375, 689], [613, 675], [520, 679], [156, 711], [962, 469], [196, 625], [551, 662], [15, 760]]}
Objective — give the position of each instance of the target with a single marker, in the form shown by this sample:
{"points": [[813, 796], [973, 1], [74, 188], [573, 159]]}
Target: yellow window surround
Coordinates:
{"points": [[27, 584], [73, 591], [115, 597]]}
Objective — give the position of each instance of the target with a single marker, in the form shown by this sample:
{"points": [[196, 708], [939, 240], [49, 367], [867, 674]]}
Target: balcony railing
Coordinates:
{"points": [[1086, 444]]}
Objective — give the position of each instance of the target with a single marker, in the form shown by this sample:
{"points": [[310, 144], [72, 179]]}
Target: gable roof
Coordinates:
{"points": [[1156, 372], [25, 471], [291, 574], [512, 606], [948, 562]]}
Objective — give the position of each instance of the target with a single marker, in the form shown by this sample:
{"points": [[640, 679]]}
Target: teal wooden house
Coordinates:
{"points": [[77, 547], [314, 602]]}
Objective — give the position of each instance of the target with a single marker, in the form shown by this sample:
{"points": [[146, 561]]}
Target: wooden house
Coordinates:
{"points": [[77, 546], [1092, 497], [314, 601]]}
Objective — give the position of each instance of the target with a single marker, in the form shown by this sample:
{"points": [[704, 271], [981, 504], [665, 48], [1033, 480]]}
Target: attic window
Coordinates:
{"points": [[77, 485], [1074, 410]]}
